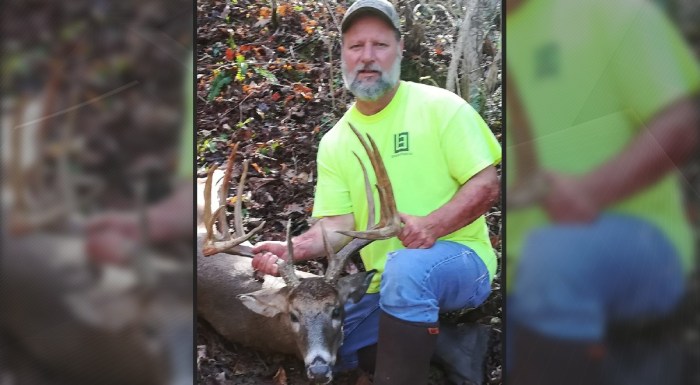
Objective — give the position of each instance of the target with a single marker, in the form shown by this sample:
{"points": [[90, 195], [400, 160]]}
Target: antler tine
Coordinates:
{"points": [[238, 206], [368, 192], [333, 262], [225, 186], [233, 246], [389, 222], [207, 216], [286, 268]]}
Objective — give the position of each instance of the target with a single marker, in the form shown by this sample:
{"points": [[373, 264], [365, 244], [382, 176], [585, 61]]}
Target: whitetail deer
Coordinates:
{"points": [[299, 313], [79, 322]]}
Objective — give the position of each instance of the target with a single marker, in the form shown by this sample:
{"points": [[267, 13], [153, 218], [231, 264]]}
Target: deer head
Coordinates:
{"points": [[313, 307]]}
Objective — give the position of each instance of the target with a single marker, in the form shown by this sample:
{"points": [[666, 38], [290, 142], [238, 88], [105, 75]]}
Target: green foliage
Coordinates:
{"points": [[219, 82], [242, 68], [266, 74], [243, 124]]}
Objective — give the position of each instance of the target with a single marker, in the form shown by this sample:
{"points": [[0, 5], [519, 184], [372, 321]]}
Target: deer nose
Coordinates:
{"points": [[319, 372]]}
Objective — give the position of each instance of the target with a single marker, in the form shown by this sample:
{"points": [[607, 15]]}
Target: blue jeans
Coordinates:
{"points": [[417, 285], [573, 279]]}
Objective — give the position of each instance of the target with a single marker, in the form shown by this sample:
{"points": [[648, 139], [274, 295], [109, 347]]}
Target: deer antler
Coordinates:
{"points": [[286, 268], [389, 222], [230, 245]]}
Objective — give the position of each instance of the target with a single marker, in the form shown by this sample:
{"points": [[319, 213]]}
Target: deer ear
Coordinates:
{"points": [[267, 302], [353, 287]]}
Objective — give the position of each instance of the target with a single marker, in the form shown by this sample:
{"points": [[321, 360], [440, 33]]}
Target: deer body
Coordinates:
{"points": [[33, 291]]}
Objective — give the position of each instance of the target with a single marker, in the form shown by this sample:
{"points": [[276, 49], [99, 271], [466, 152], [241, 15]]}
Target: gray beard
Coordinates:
{"points": [[371, 90]]}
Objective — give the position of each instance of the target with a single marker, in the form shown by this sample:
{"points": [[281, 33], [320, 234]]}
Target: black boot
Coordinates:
{"points": [[543, 360], [367, 358], [403, 352], [461, 352]]}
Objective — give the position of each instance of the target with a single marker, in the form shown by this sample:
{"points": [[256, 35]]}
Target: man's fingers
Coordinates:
{"points": [[266, 263]]}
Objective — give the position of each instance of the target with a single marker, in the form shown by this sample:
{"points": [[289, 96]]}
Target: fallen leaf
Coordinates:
{"points": [[276, 96], [265, 12], [262, 22], [292, 208], [229, 54], [280, 377], [257, 168], [283, 9], [303, 91], [281, 49]]}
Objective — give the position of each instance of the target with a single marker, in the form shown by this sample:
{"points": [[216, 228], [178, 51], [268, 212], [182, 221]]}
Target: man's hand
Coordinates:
{"points": [[266, 256], [112, 237], [568, 200], [417, 232]]}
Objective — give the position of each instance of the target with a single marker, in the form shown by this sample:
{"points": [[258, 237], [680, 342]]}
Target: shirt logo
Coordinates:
{"points": [[400, 142], [547, 61]]}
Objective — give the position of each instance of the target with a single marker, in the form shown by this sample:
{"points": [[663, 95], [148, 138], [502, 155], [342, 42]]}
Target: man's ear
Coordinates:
{"points": [[353, 287], [267, 302]]}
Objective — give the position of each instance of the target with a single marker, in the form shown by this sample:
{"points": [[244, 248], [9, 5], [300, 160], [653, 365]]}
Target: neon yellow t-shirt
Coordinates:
{"points": [[431, 142], [590, 74], [184, 167]]}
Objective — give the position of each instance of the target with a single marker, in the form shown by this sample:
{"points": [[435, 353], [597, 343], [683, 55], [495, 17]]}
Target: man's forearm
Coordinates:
{"points": [[665, 144], [471, 201], [310, 244]]}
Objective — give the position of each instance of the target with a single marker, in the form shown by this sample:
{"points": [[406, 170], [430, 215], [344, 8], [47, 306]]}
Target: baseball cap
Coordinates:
{"points": [[379, 7]]}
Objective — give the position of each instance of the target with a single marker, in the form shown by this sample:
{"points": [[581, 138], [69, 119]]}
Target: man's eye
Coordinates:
{"points": [[293, 318], [336, 313]]}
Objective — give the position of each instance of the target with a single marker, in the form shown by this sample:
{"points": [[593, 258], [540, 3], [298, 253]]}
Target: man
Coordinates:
{"points": [[608, 92], [440, 156]]}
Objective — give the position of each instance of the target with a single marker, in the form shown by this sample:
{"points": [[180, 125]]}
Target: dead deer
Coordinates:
{"points": [[299, 313], [80, 322]]}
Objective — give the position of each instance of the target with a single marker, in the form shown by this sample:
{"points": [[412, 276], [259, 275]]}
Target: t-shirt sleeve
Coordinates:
{"points": [[469, 145], [332, 195], [653, 65]]}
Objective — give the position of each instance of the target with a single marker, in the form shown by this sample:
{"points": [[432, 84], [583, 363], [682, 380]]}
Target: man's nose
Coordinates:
{"points": [[367, 54]]}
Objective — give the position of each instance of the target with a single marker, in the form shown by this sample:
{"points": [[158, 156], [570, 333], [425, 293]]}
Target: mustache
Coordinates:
{"points": [[369, 67]]}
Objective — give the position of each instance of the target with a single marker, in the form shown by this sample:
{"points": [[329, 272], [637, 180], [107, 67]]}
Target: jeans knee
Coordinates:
{"points": [[403, 279]]}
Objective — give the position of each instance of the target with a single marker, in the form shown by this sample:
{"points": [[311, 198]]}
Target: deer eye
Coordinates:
{"points": [[293, 318], [336, 313]]}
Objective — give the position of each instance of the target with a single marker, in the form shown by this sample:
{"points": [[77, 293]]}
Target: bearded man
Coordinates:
{"points": [[440, 156]]}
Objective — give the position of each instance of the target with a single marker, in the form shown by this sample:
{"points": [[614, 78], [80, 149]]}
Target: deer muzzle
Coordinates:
{"points": [[319, 371]]}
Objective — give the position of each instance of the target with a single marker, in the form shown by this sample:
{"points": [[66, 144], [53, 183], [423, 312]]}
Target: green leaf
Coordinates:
{"points": [[219, 82], [267, 75], [242, 71], [242, 124]]}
